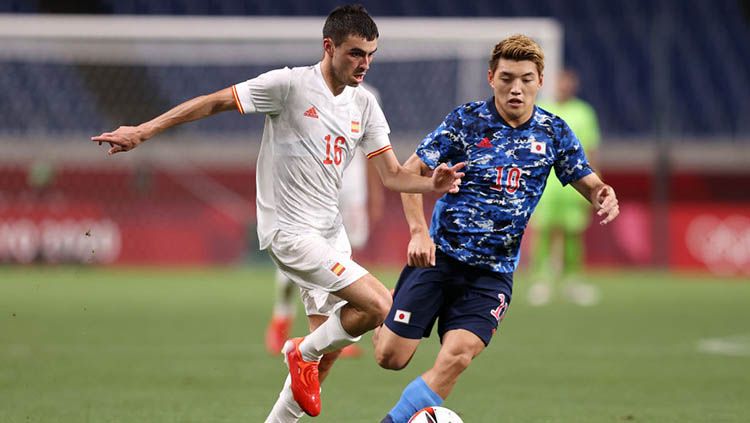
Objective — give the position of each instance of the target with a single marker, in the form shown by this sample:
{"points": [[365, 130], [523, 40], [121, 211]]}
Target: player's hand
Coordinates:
{"points": [[421, 250], [447, 179], [125, 138], [606, 204]]}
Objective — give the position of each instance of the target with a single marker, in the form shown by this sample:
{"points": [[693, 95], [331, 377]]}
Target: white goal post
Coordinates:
{"points": [[273, 41]]}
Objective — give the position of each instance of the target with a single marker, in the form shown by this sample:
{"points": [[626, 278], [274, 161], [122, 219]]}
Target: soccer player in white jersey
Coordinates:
{"points": [[315, 118], [360, 202]]}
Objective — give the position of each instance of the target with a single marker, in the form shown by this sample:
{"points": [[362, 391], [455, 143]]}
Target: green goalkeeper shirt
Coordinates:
{"points": [[564, 204]]}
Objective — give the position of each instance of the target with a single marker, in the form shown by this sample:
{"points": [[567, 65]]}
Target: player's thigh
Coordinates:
{"points": [[367, 294], [393, 351], [319, 302]]}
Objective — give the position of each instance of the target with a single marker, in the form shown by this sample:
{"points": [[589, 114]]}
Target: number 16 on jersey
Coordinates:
{"points": [[335, 156]]}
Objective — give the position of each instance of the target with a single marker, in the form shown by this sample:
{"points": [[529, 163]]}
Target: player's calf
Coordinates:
{"points": [[456, 354], [453, 363], [326, 363]]}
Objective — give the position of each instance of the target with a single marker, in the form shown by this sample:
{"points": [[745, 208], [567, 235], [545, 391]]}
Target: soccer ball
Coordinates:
{"points": [[435, 415]]}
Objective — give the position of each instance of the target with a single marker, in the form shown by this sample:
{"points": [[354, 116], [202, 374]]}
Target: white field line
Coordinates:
{"points": [[735, 345]]}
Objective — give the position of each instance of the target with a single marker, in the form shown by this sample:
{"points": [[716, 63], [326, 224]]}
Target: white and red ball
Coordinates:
{"points": [[435, 415]]}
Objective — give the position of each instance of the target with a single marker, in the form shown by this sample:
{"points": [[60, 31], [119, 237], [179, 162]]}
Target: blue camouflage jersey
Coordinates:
{"points": [[506, 171]]}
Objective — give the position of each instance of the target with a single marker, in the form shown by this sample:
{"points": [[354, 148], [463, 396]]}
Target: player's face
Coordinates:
{"points": [[515, 84], [351, 59], [567, 86]]}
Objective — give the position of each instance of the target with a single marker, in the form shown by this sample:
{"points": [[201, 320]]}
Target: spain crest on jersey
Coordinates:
{"points": [[338, 269], [355, 126]]}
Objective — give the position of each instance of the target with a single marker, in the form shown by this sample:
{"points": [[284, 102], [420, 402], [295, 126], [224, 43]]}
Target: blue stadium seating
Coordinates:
{"points": [[648, 66]]}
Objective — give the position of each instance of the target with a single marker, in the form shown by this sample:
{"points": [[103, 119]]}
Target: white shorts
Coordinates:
{"points": [[318, 265]]}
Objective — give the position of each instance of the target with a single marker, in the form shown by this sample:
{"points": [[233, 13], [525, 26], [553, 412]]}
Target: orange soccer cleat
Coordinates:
{"points": [[304, 374], [277, 333]]}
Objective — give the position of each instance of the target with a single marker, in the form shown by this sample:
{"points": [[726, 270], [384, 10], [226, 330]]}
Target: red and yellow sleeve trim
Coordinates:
{"points": [[237, 99], [380, 151]]}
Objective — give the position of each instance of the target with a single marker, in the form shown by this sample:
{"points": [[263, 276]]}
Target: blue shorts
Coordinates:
{"points": [[460, 295]]}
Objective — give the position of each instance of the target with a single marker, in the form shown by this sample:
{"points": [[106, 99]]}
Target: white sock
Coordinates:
{"points": [[286, 410], [330, 336], [284, 305]]}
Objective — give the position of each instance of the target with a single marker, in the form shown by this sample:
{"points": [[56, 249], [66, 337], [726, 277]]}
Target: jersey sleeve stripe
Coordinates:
{"points": [[379, 151], [237, 99]]}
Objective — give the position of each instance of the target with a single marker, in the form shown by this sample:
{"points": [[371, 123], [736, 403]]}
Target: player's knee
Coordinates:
{"points": [[379, 308], [388, 358], [384, 307]]}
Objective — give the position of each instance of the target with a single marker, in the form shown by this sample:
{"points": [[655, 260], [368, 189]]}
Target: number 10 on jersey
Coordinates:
{"points": [[512, 176], [335, 156]]}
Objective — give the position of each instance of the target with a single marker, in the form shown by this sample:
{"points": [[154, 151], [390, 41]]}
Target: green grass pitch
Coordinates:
{"points": [[138, 345]]}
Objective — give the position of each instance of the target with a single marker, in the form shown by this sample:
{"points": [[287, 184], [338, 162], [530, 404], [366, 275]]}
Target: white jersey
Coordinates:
{"points": [[309, 137], [353, 201], [354, 183]]}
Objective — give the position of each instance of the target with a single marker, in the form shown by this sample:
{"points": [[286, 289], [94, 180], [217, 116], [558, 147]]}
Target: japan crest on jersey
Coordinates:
{"points": [[402, 316], [538, 147]]}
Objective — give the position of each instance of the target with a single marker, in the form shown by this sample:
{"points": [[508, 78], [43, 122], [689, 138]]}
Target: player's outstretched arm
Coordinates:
{"points": [[126, 138], [421, 250], [601, 196], [395, 177]]}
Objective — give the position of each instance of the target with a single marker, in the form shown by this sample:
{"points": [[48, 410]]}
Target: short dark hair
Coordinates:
{"points": [[350, 19]]}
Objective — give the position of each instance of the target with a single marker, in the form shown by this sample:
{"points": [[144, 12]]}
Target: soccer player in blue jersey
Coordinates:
{"points": [[461, 272]]}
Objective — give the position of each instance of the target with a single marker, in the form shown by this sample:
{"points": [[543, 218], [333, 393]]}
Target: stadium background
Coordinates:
{"points": [[670, 82]]}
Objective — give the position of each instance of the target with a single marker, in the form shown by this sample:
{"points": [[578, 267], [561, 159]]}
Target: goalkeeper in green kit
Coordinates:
{"points": [[562, 214]]}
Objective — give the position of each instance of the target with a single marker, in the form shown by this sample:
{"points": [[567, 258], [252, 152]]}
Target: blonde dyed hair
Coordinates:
{"points": [[518, 47]]}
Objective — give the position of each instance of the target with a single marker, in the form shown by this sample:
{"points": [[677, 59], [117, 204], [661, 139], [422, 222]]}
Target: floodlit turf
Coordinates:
{"points": [[119, 345]]}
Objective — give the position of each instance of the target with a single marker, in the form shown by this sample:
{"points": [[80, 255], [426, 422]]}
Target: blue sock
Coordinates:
{"points": [[416, 396]]}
